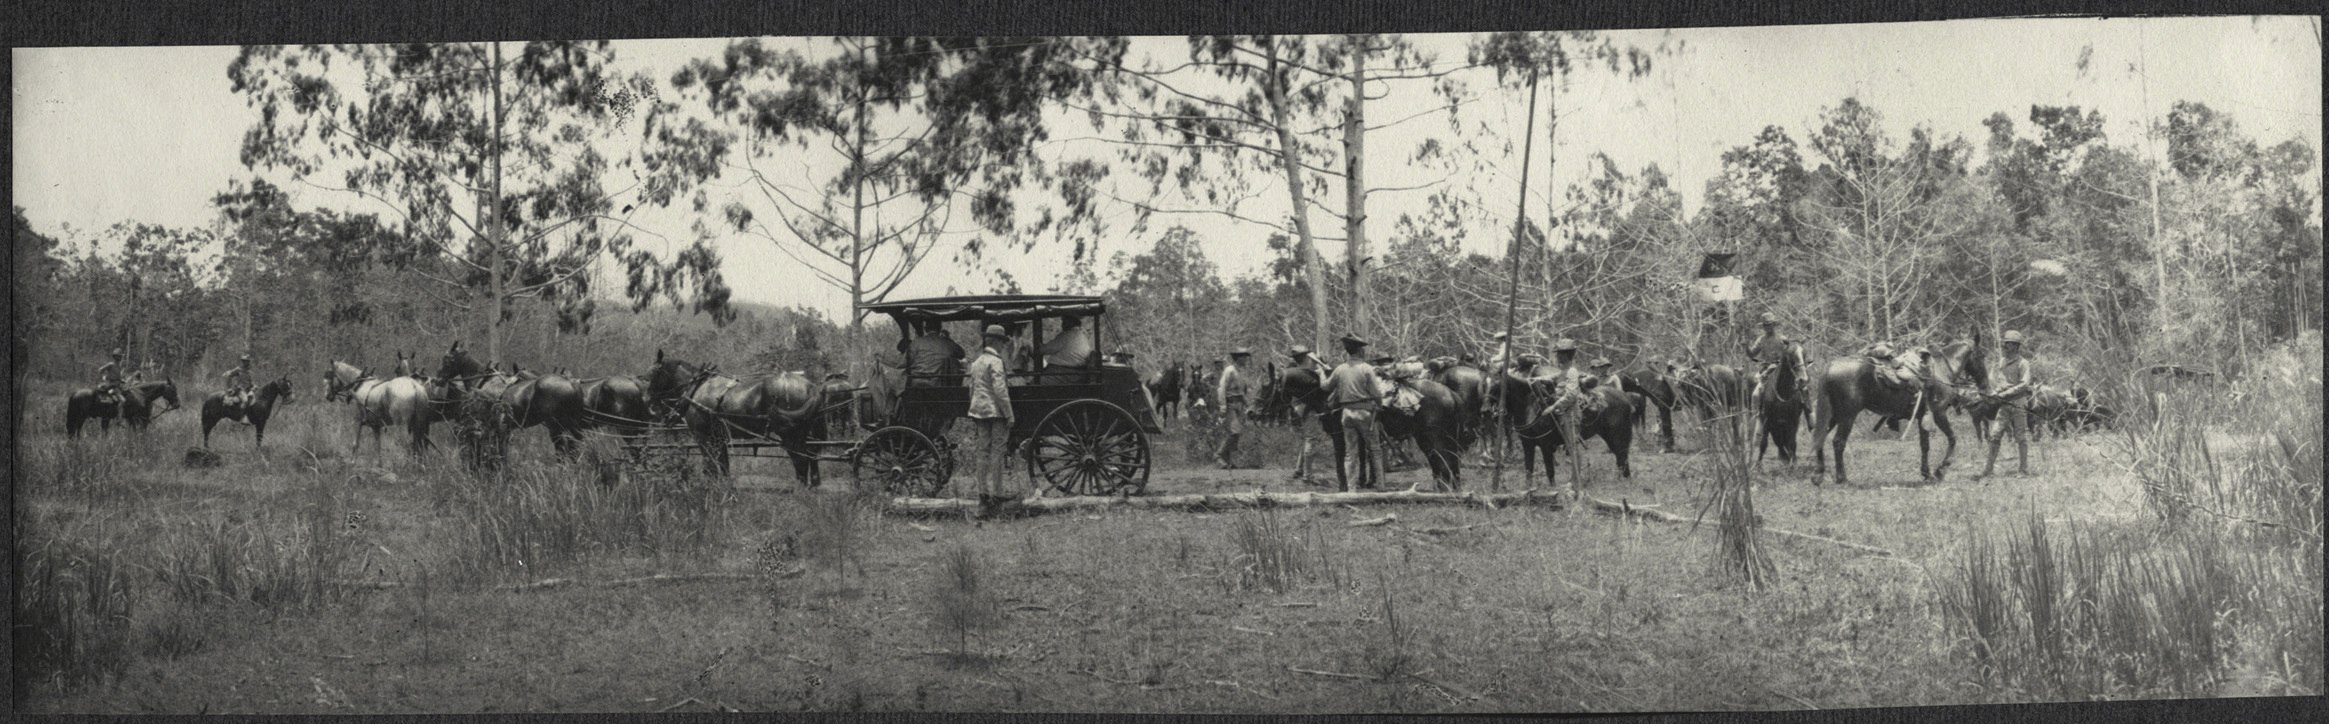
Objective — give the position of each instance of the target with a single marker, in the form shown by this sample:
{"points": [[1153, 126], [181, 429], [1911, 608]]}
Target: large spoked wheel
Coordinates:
{"points": [[1090, 447], [903, 461]]}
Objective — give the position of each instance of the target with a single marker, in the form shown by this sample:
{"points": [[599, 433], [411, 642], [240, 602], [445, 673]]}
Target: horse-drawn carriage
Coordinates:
{"points": [[1083, 429]]}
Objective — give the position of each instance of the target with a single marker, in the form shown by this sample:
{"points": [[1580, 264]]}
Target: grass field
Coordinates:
{"points": [[310, 580]]}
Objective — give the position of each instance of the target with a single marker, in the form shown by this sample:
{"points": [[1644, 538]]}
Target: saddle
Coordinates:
{"points": [[1896, 373]]}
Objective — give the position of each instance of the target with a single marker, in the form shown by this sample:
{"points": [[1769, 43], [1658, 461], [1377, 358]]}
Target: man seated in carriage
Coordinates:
{"points": [[1072, 349], [932, 354]]}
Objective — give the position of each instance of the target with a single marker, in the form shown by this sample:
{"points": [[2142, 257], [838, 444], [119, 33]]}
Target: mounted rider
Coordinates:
{"points": [[2014, 372], [110, 380], [238, 383], [1772, 349], [1570, 382]]}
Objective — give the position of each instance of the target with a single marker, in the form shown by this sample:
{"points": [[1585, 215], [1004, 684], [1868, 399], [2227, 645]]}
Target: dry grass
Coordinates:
{"points": [[1151, 611]]}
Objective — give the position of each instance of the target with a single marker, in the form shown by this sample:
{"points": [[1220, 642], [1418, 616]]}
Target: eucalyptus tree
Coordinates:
{"points": [[492, 157], [864, 158]]}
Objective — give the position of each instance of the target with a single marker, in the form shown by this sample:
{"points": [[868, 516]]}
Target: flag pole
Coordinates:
{"points": [[1512, 287]]}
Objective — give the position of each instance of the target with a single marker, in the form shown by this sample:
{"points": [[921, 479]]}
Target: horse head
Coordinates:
{"points": [[1958, 363], [164, 390], [278, 390], [460, 368]]}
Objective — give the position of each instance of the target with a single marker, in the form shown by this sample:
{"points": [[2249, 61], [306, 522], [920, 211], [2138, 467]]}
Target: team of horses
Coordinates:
{"points": [[785, 407]]}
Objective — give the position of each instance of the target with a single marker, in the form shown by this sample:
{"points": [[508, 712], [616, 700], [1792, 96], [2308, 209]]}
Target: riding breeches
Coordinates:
{"points": [[1363, 457]]}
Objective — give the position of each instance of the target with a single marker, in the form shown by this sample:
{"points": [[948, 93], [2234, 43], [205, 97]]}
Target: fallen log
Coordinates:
{"points": [[1665, 517], [940, 507]]}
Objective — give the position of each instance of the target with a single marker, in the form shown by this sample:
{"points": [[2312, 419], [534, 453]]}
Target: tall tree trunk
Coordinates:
{"points": [[1355, 149], [857, 231], [496, 230], [1289, 157]]}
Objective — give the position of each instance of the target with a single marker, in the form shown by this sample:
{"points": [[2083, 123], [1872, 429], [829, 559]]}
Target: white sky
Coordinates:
{"points": [[104, 135]]}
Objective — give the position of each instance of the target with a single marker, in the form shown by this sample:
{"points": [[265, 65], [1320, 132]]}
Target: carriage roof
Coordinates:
{"points": [[995, 307]]}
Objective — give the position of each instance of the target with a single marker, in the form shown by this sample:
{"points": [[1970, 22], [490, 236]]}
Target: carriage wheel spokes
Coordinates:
{"points": [[1090, 447], [904, 461]]}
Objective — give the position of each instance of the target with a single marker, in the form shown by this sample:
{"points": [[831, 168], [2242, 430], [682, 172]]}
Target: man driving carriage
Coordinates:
{"points": [[238, 383]]}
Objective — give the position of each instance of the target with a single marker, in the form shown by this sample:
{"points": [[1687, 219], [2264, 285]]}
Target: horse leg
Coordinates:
{"points": [[1842, 429], [1948, 454], [796, 446]]}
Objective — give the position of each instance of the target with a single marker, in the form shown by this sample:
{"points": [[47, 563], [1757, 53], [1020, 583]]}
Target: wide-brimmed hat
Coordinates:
{"points": [[2012, 337], [1600, 362], [1241, 352], [1383, 360], [1298, 350], [117, 351], [1501, 336], [1565, 345], [1768, 318], [1532, 358], [1353, 340], [246, 358]]}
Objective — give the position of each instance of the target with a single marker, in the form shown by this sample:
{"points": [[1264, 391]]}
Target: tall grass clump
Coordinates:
{"points": [[2222, 595], [1268, 555], [73, 613], [963, 598], [532, 515]]}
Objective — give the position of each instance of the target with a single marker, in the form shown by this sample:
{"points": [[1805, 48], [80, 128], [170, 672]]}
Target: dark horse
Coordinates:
{"points": [[1713, 390], [523, 399], [1470, 386], [1540, 430], [1166, 386], [1781, 403], [135, 408], [1850, 385], [255, 414], [1656, 388], [617, 404], [1438, 428], [1302, 386], [788, 407]]}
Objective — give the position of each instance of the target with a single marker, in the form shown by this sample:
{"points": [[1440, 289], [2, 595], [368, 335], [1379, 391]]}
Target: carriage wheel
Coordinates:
{"points": [[1090, 447], [904, 461]]}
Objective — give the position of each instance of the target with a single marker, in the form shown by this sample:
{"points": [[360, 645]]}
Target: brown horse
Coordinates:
{"points": [[1781, 402], [1302, 385], [135, 407], [1850, 385], [1438, 428], [1470, 386], [1540, 430], [787, 407], [1654, 387], [617, 404], [216, 408]]}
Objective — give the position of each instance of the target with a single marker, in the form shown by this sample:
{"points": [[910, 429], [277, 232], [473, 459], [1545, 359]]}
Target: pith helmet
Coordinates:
{"points": [[1769, 319], [2013, 336], [1600, 362], [996, 330], [1565, 345], [117, 351]]}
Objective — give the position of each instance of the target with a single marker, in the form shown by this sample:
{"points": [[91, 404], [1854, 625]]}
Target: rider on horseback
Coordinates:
{"points": [[238, 383], [1770, 350], [109, 380], [1572, 383]]}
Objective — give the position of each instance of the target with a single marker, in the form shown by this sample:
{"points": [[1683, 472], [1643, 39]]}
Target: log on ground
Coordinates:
{"points": [[929, 507]]}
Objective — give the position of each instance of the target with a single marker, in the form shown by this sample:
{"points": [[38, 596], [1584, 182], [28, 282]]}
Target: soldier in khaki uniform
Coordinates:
{"points": [[2014, 372]]}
